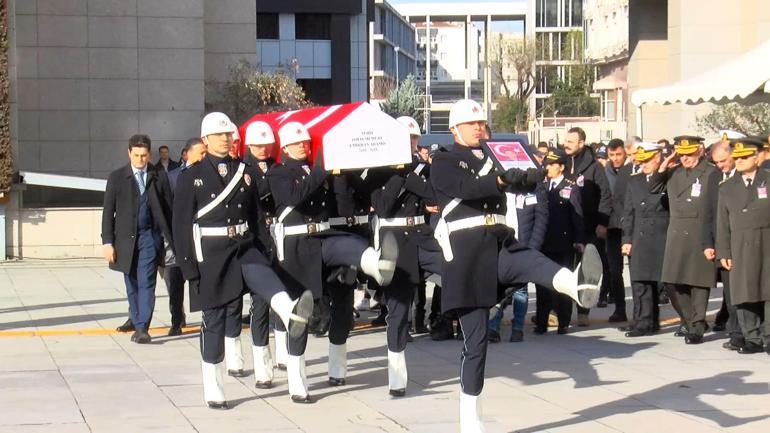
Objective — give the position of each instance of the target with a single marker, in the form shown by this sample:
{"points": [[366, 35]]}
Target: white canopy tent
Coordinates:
{"points": [[739, 78]]}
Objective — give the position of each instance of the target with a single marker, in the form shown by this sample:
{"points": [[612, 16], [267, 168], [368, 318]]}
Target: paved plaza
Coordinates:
{"points": [[63, 369]]}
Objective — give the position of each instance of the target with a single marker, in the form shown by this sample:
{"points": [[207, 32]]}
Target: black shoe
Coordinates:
{"points": [[441, 332], [750, 348], [420, 328], [459, 334], [263, 385], [397, 392], [602, 303], [693, 339], [246, 319], [681, 331], [174, 330], [533, 319], [409, 338], [237, 373], [302, 399], [221, 405], [638, 333], [141, 337], [493, 336], [379, 320], [626, 328], [516, 336], [540, 330], [617, 317], [128, 326], [719, 327], [730, 346], [663, 298], [561, 330], [336, 381]]}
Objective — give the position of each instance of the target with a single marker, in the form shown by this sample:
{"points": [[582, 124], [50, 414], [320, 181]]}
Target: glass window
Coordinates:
{"points": [[314, 26], [577, 13], [267, 26], [551, 13], [317, 91]]}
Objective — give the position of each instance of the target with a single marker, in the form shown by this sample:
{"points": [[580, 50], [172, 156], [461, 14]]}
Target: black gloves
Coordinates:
{"points": [[514, 176], [522, 179]]}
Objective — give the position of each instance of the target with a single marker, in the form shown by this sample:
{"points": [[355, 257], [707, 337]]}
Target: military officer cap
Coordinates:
{"points": [[646, 150], [727, 135], [687, 144], [555, 156], [747, 146]]}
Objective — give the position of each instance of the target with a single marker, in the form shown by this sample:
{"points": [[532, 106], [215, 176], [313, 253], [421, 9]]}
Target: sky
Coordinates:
{"points": [[499, 26]]}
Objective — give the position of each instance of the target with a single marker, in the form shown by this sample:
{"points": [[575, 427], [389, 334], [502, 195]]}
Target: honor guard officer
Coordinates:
{"points": [[305, 243], [400, 211], [645, 222], [689, 186], [563, 238], [216, 211], [743, 238], [260, 141], [480, 250]]}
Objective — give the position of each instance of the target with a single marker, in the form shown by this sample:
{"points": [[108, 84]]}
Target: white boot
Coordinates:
{"points": [[470, 414], [281, 350], [338, 363], [293, 314], [295, 373], [584, 282], [234, 357], [381, 264], [263, 366], [397, 374], [214, 385]]}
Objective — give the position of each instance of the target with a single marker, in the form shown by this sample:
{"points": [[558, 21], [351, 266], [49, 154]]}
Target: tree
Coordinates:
{"points": [[512, 64], [250, 91], [405, 100], [5, 127], [746, 119], [571, 92]]}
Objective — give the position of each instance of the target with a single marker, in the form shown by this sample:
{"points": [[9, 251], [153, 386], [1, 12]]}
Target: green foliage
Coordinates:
{"points": [[406, 100], [571, 95], [5, 127], [250, 91], [746, 119], [510, 115]]}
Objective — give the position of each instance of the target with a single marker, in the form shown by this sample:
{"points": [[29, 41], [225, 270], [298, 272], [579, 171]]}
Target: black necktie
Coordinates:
{"points": [[748, 183]]}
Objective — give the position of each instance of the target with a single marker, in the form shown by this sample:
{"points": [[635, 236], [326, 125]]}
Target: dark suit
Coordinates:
{"points": [[136, 226], [645, 222], [618, 185], [171, 165], [565, 228], [172, 275], [684, 264]]}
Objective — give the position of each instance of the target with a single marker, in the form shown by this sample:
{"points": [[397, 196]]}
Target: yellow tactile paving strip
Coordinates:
{"points": [[163, 331]]}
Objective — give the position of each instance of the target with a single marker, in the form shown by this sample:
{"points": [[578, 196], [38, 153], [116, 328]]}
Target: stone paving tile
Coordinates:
{"points": [[48, 428], [36, 397]]}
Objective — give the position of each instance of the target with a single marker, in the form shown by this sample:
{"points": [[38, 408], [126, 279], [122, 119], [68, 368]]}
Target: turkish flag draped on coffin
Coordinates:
{"points": [[349, 136]]}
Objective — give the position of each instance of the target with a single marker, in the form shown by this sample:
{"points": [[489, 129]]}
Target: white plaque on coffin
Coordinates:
{"points": [[366, 138]]}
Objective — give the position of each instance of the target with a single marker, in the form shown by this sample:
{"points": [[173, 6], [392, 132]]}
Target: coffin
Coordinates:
{"points": [[349, 136]]}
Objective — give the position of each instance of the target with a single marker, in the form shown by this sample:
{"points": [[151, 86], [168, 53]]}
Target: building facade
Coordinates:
{"points": [[324, 44], [392, 50]]}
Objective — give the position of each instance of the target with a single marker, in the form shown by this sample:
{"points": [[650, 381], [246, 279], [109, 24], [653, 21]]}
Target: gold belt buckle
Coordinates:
{"points": [[230, 231], [489, 220], [312, 228], [409, 221], [350, 220]]}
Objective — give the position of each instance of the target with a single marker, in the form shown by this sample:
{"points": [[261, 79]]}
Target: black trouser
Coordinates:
{"points": [[693, 301], [218, 323], [617, 289], [420, 299], [671, 292], [732, 325], [646, 309], [548, 299], [473, 322], [340, 312], [754, 318], [605, 289], [260, 321], [398, 299], [172, 275]]}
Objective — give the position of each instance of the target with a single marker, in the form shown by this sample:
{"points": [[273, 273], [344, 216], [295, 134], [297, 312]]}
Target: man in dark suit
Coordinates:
{"points": [[645, 222], [618, 174], [172, 275], [164, 161], [135, 223]]}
